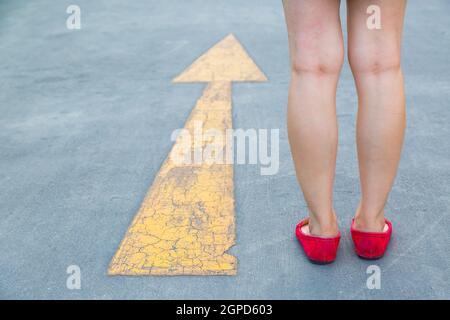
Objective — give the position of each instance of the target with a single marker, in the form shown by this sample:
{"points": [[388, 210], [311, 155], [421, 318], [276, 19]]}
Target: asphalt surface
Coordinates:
{"points": [[85, 123]]}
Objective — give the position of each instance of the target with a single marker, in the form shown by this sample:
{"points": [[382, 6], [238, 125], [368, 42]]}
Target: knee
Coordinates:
{"points": [[374, 60], [316, 59]]}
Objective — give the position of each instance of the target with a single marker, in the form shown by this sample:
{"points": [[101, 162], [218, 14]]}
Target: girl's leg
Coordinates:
{"points": [[374, 57], [316, 51]]}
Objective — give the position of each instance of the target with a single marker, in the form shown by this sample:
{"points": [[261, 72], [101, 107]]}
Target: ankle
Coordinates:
{"points": [[369, 220], [323, 225], [370, 224]]}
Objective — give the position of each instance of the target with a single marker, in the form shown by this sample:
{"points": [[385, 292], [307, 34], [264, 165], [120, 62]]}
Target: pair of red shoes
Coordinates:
{"points": [[322, 250]]}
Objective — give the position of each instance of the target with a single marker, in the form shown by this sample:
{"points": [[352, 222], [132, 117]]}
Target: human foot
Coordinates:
{"points": [[371, 245], [318, 249]]}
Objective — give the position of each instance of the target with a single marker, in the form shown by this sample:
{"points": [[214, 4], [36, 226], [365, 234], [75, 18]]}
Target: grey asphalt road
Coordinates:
{"points": [[85, 123]]}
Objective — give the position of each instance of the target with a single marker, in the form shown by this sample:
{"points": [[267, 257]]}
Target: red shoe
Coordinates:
{"points": [[371, 245], [321, 250]]}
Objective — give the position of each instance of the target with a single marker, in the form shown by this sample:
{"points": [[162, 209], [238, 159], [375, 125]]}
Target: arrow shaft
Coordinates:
{"points": [[186, 222], [213, 113]]}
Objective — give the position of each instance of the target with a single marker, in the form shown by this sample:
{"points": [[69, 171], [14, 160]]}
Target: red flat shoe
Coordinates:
{"points": [[321, 250], [371, 245]]}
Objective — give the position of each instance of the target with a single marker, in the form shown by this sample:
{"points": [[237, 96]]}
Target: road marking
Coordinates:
{"points": [[186, 222]]}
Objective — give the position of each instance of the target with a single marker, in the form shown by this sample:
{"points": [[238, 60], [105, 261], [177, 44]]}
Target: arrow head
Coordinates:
{"points": [[226, 61]]}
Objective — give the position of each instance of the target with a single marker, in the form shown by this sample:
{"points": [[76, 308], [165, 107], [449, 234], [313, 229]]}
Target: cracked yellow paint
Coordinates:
{"points": [[186, 222]]}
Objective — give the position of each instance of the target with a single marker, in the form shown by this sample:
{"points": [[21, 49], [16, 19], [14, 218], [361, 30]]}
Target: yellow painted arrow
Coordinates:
{"points": [[186, 222]]}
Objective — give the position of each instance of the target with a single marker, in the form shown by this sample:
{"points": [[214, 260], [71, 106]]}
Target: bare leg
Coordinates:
{"points": [[374, 57], [316, 51]]}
